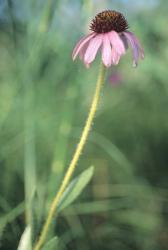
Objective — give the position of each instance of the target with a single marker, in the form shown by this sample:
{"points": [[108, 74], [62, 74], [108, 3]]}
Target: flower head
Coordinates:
{"points": [[110, 34]]}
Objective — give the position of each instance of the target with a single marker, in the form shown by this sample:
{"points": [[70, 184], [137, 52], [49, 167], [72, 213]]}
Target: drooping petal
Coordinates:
{"points": [[125, 41], [116, 42], [106, 51], [115, 57], [134, 45], [141, 50], [92, 49], [82, 54], [83, 51], [80, 44]]}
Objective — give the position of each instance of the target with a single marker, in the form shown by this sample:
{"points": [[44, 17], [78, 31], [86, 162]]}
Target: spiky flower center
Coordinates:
{"points": [[109, 20]]}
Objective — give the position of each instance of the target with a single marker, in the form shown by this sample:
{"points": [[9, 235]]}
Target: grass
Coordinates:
{"points": [[44, 101]]}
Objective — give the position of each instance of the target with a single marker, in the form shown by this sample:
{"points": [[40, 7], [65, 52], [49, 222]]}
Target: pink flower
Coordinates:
{"points": [[110, 35], [115, 78]]}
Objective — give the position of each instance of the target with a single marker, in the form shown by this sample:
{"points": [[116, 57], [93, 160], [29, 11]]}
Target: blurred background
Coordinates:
{"points": [[44, 101]]}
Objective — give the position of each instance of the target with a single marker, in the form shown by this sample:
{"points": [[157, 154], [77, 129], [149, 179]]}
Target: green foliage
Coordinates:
{"points": [[52, 244], [75, 188], [44, 101]]}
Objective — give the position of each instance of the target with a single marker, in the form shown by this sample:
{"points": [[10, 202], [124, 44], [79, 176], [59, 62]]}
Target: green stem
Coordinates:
{"points": [[44, 24], [72, 166], [29, 149]]}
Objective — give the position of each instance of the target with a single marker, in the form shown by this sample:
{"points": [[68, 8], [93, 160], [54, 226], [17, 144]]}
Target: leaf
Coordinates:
{"points": [[52, 244], [36, 213], [75, 187], [25, 240]]}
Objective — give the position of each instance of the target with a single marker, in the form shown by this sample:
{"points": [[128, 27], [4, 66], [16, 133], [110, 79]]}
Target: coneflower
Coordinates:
{"points": [[110, 34]]}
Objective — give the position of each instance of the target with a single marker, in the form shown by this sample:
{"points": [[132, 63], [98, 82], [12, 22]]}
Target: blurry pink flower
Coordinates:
{"points": [[115, 78], [110, 35]]}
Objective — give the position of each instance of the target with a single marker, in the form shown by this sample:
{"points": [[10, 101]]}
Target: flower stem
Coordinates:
{"points": [[68, 175]]}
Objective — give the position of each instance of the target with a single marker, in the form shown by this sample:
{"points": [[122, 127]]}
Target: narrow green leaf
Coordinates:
{"points": [[52, 244], [75, 187], [36, 213]]}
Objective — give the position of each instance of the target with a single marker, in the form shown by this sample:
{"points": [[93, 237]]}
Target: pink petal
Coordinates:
{"points": [[106, 51], [141, 50], [82, 54], [83, 51], [92, 49], [115, 57], [116, 42], [134, 45], [80, 44], [125, 41]]}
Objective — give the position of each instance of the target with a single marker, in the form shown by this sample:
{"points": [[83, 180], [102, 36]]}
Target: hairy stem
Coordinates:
{"points": [[73, 163]]}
